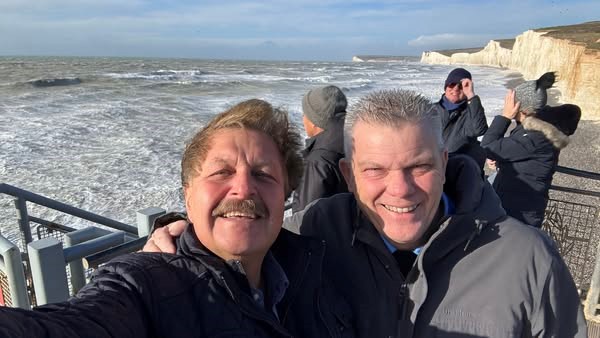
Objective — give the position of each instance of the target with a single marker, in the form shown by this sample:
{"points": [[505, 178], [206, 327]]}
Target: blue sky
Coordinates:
{"points": [[271, 30]]}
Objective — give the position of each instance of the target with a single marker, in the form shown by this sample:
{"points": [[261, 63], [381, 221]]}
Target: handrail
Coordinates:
{"points": [[93, 261], [51, 225], [578, 172], [575, 191], [68, 209]]}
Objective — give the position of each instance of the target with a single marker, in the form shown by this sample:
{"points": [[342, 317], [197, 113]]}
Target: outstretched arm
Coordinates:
{"points": [[110, 306]]}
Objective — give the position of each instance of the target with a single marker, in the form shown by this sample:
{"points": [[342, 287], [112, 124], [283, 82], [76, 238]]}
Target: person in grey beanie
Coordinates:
{"points": [[324, 110], [526, 160], [463, 116]]}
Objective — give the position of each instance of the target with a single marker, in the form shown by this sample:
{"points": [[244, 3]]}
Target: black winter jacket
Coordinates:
{"points": [[462, 126], [480, 274], [191, 294], [526, 161], [322, 176]]}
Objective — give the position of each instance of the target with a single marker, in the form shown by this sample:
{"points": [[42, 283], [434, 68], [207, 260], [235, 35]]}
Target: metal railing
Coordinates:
{"points": [[53, 263], [573, 225], [572, 219]]}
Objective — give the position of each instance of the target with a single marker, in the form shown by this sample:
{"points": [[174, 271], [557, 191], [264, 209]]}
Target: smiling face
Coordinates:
{"points": [[397, 175], [454, 93], [236, 199]]}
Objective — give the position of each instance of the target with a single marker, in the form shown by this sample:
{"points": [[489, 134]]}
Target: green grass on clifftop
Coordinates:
{"points": [[587, 33]]}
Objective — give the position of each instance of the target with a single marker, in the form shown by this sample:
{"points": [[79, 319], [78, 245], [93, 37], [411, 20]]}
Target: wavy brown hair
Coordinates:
{"points": [[252, 114]]}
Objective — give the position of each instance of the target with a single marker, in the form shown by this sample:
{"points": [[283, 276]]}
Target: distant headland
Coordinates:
{"points": [[573, 51], [382, 58]]}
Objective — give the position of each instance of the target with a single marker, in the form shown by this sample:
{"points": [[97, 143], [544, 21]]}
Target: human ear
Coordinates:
{"points": [[346, 169]]}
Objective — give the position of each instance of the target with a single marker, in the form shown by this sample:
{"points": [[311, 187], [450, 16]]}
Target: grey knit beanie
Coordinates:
{"points": [[320, 104], [532, 94]]}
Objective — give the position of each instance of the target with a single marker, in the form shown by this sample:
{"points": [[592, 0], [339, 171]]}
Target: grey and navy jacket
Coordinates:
{"points": [[480, 273], [191, 294], [462, 126], [322, 176], [526, 162]]}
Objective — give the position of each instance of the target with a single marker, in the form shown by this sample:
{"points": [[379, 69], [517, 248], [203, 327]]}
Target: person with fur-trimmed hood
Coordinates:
{"points": [[527, 159]]}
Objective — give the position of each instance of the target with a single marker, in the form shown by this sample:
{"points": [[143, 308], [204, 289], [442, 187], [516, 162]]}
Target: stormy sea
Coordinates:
{"points": [[106, 134]]}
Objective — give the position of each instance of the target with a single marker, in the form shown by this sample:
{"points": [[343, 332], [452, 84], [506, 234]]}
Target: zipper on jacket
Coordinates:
{"points": [[293, 298], [332, 331], [322, 318], [275, 325], [479, 224]]}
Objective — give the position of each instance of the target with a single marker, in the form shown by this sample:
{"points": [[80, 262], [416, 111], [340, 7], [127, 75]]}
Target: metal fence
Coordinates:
{"points": [[74, 247], [572, 219]]}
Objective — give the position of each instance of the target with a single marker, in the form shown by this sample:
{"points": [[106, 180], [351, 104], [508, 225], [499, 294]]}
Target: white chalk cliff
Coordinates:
{"points": [[532, 55]]}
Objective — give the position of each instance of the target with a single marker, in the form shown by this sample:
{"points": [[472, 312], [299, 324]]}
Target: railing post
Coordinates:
{"points": [[145, 219], [76, 267], [592, 303], [48, 271], [13, 268], [23, 219]]}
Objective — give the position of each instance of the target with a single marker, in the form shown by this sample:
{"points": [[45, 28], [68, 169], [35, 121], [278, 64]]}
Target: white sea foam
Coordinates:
{"points": [[112, 144]]}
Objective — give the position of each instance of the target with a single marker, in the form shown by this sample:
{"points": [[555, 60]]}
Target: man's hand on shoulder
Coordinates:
{"points": [[163, 238]]}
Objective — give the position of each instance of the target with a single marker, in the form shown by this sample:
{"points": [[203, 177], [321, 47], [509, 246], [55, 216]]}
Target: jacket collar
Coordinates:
{"points": [[450, 106], [476, 207], [466, 188], [558, 139], [331, 139], [300, 258]]}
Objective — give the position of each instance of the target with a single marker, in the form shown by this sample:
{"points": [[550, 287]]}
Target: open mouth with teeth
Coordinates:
{"points": [[400, 210], [239, 214]]}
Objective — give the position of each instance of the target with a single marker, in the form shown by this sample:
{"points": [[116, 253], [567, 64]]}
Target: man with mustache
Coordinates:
{"points": [[235, 273], [421, 247]]}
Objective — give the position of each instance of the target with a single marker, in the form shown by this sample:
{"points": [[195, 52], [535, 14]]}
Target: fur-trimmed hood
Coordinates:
{"points": [[558, 139]]}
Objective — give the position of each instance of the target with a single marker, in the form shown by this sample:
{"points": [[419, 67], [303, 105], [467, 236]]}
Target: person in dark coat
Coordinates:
{"points": [[235, 273], [324, 110], [527, 159], [463, 116], [421, 247]]}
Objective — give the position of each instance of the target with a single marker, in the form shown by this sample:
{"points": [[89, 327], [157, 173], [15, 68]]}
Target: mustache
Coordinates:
{"points": [[247, 206]]}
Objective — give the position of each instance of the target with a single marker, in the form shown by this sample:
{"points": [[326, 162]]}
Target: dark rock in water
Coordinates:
{"points": [[55, 82]]}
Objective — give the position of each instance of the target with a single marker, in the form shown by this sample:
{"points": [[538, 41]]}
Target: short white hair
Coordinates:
{"points": [[392, 108]]}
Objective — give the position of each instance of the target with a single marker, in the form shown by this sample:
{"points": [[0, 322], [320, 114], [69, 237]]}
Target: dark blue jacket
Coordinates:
{"points": [[526, 161], [191, 294], [462, 126], [322, 176]]}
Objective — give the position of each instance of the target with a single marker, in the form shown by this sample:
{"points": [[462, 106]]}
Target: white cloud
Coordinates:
{"points": [[382, 27], [450, 40]]}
